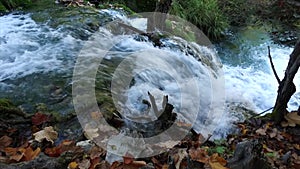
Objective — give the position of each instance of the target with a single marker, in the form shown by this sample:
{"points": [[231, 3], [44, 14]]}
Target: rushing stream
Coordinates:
{"points": [[37, 61]]}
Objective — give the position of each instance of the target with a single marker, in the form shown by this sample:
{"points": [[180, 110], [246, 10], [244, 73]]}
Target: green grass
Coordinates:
{"points": [[205, 14]]}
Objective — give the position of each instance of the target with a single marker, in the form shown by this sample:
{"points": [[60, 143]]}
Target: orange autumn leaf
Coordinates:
{"points": [[30, 154], [199, 155], [216, 165], [22, 154], [72, 165], [216, 158]]}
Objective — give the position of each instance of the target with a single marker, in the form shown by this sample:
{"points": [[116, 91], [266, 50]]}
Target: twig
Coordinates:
{"points": [[272, 65], [262, 112]]}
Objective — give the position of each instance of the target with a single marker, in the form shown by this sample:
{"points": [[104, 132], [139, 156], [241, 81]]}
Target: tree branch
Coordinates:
{"points": [[272, 65]]}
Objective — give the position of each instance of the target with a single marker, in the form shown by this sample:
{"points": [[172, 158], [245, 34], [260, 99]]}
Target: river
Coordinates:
{"points": [[37, 63]]}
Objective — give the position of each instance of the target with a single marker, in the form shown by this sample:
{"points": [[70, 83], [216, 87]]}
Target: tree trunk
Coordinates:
{"points": [[158, 21], [286, 87]]}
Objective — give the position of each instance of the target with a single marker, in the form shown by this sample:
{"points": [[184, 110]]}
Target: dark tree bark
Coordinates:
{"points": [[157, 21], [286, 87]]}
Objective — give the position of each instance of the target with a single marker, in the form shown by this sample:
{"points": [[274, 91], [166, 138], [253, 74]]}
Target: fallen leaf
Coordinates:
{"points": [[216, 165], [47, 133], [30, 154], [84, 164], [216, 158], [96, 152], [5, 141], [22, 154], [261, 131], [95, 162], [90, 132], [16, 154], [182, 154], [292, 119], [199, 155], [127, 160], [39, 118], [72, 165], [273, 133], [53, 152]]}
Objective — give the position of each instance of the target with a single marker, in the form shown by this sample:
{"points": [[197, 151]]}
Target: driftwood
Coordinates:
{"points": [[286, 87]]}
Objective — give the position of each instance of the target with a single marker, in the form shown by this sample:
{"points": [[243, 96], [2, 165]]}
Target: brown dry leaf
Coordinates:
{"points": [[39, 118], [96, 152], [47, 133], [94, 162], [5, 141], [216, 158], [90, 132], [216, 165], [72, 165], [292, 119], [29, 154], [181, 154], [128, 159], [53, 152], [15, 154], [84, 164], [199, 155], [165, 166], [261, 131], [9, 151], [136, 164], [273, 133]]}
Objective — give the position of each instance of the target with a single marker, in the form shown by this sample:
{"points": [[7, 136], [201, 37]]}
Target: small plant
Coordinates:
{"points": [[205, 14]]}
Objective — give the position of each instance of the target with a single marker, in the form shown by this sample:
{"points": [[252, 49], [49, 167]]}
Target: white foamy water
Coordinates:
{"points": [[27, 47], [255, 85]]}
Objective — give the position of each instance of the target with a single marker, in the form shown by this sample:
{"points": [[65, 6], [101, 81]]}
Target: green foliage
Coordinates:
{"points": [[205, 14], [14, 4]]}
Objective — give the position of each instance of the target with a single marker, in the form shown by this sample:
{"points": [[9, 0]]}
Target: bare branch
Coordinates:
{"points": [[272, 65]]}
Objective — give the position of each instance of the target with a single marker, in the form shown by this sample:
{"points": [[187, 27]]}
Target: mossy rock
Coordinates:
{"points": [[9, 111], [5, 103]]}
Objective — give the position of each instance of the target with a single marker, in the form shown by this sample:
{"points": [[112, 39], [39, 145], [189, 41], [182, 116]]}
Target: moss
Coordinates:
{"points": [[5, 103]]}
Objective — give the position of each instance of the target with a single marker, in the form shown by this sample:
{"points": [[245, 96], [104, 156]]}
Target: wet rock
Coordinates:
{"points": [[41, 162], [248, 155]]}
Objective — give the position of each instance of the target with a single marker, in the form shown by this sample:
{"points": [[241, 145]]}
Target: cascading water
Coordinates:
{"points": [[31, 52]]}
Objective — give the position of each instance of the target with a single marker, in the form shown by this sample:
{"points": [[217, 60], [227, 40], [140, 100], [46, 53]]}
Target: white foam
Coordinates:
{"points": [[27, 47], [255, 85]]}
